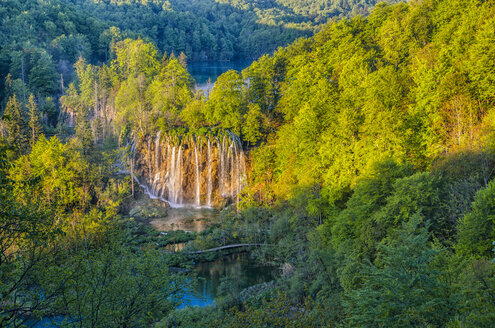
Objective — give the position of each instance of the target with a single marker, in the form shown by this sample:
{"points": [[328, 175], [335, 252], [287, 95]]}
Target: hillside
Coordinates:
{"points": [[47, 37], [357, 163]]}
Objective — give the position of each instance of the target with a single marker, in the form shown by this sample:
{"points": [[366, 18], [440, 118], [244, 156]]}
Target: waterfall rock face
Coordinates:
{"points": [[200, 171]]}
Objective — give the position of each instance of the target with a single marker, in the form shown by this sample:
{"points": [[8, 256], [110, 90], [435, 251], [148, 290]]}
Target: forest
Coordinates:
{"points": [[357, 152], [40, 40]]}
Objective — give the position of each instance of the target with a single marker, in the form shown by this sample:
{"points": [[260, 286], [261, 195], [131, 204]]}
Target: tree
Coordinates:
{"points": [[34, 120], [226, 105], [252, 128], [135, 57], [114, 286], [43, 75], [482, 60], [275, 312], [107, 41], [475, 293], [132, 105], [402, 287], [194, 114], [170, 92], [423, 193], [56, 173], [16, 124], [369, 196], [50, 110], [27, 234], [477, 228]]}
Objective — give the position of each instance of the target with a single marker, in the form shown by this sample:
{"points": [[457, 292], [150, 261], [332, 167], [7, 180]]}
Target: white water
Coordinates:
{"points": [[197, 172], [198, 176], [210, 183]]}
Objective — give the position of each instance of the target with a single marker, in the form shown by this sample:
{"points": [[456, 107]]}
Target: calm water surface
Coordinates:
{"points": [[239, 267], [206, 73]]}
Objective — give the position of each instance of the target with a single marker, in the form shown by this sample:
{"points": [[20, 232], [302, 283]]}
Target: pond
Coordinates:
{"points": [[243, 270], [206, 73], [239, 266]]}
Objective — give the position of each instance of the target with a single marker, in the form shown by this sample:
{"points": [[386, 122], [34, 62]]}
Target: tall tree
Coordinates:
{"points": [[15, 123], [34, 120], [226, 105], [477, 228], [403, 287]]}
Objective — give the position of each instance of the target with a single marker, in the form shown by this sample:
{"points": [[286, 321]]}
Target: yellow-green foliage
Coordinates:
{"points": [[410, 82]]}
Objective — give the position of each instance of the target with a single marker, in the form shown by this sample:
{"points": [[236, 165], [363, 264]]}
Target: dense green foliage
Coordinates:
{"points": [[358, 94], [374, 158], [371, 167], [41, 40], [64, 254], [221, 29]]}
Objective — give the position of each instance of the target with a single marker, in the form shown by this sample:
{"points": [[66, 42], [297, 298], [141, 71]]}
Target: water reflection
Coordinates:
{"points": [[239, 267], [177, 247]]}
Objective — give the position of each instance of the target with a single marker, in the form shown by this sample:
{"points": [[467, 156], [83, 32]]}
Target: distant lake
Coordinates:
{"points": [[204, 71]]}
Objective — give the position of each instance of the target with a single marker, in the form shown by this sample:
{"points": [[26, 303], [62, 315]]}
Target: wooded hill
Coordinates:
{"points": [[371, 180], [40, 40]]}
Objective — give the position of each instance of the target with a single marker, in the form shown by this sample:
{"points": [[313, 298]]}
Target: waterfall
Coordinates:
{"points": [[167, 174], [210, 184], [242, 172], [157, 152], [237, 176], [178, 186], [171, 177], [150, 163], [232, 168], [198, 176], [191, 171], [223, 168], [155, 187]]}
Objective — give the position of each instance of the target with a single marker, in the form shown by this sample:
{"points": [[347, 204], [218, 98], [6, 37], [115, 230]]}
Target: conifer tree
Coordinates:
{"points": [[402, 287], [34, 120], [15, 123]]}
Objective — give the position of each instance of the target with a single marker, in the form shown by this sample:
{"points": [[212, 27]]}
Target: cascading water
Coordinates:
{"points": [[231, 158], [210, 183], [198, 176], [223, 168], [171, 178], [200, 171], [178, 185], [155, 189]]}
